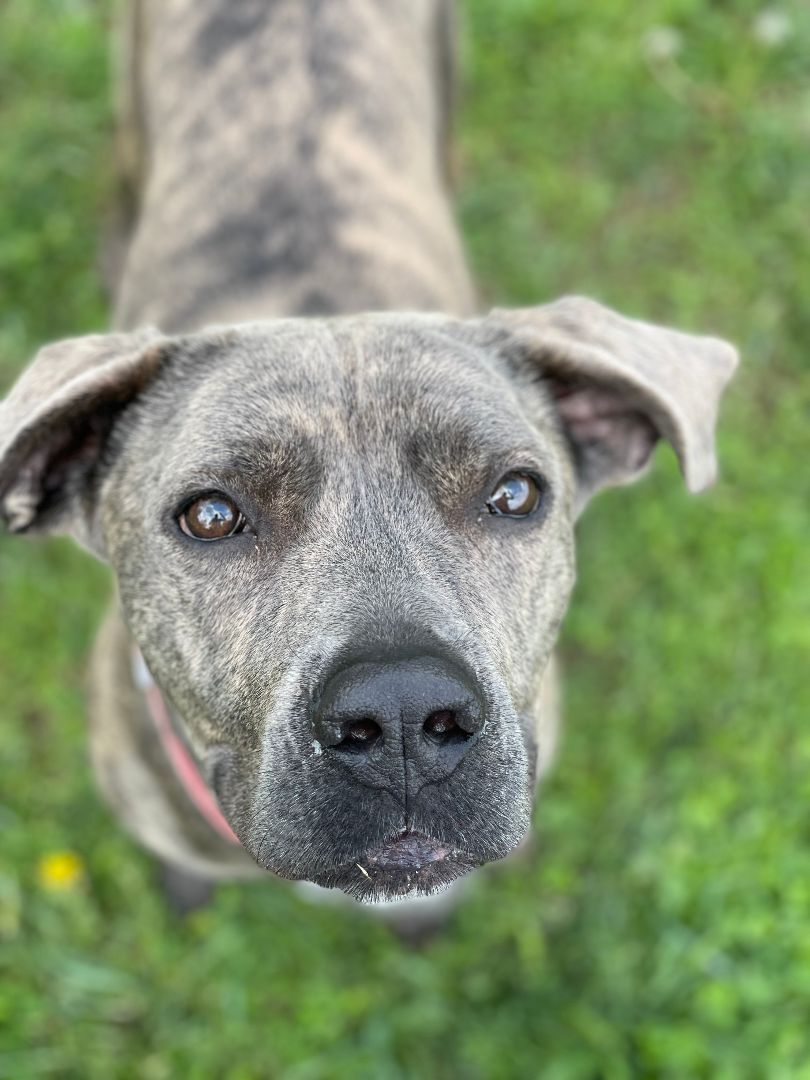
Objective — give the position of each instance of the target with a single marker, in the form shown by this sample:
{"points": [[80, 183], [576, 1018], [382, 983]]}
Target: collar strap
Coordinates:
{"points": [[185, 767]]}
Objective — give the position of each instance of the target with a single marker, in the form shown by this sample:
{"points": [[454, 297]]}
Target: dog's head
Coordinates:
{"points": [[345, 548]]}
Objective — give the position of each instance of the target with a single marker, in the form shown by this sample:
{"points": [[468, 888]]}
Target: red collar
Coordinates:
{"points": [[185, 767]]}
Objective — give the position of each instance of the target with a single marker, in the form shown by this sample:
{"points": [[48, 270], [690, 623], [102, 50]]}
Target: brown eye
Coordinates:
{"points": [[517, 495], [211, 517]]}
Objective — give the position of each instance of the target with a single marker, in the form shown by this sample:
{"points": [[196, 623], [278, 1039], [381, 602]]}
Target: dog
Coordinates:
{"points": [[339, 505]]}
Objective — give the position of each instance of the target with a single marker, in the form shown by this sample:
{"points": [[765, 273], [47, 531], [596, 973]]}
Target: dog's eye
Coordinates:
{"points": [[211, 517], [517, 494]]}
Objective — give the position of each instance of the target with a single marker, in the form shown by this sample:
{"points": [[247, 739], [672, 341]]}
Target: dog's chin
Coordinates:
{"points": [[411, 865]]}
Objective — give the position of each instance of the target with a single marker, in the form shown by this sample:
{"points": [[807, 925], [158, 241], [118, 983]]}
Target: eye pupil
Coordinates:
{"points": [[211, 517], [517, 495]]}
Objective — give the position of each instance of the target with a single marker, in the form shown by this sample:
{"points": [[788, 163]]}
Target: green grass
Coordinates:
{"points": [[662, 928]]}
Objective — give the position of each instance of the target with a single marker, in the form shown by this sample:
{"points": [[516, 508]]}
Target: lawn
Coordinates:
{"points": [[656, 156]]}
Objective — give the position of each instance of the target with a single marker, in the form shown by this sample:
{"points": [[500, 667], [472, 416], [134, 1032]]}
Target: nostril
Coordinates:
{"points": [[376, 716], [360, 736], [442, 727]]}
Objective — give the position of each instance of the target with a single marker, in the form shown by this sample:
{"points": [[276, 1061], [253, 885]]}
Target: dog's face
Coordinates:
{"points": [[345, 549], [357, 660]]}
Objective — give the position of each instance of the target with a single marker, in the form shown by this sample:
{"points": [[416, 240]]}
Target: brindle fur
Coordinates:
{"points": [[292, 157], [288, 159]]}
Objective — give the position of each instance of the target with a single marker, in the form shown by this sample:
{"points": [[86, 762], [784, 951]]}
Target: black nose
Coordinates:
{"points": [[399, 725]]}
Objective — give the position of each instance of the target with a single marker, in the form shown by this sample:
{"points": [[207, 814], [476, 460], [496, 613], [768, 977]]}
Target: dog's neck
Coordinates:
{"points": [[176, 752], [284, 170]]}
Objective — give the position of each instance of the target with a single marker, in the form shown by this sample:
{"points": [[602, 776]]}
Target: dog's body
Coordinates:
{"points": [[289, 159]]}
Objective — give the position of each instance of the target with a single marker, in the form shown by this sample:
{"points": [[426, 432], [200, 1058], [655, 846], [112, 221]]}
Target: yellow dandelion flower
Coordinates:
{"points": [[60, 871]]}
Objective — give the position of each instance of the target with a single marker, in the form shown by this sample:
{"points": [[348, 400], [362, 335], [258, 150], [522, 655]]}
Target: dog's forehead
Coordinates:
{"points": [[378, 375]]}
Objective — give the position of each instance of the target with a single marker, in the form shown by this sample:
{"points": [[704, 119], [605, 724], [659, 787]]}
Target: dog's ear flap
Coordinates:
{"points": [[620, 384], [54, 425]]}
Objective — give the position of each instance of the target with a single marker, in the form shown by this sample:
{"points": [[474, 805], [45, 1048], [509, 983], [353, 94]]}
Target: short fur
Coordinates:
{"points": [[287, 159]]}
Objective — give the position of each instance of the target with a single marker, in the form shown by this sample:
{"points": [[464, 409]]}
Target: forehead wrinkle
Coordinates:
{"points": [[463, 446], [259, 455], [283, 405], [351, 360], [386, 377], [395, 392], [215, 434]]}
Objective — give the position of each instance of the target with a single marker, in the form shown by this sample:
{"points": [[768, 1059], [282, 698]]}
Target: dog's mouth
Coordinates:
{"points": [[412, 864]]}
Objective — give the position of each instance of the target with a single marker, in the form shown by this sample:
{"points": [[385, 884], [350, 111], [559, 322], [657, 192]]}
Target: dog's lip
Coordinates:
{"points": [[411, 864], [408, 851]]}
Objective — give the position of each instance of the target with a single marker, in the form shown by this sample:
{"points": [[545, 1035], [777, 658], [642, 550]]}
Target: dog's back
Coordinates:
{"points": [[288, 157]]}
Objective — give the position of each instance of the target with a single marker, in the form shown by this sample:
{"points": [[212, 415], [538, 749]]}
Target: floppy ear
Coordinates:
{"points": [[620, 384], [54, 426]]}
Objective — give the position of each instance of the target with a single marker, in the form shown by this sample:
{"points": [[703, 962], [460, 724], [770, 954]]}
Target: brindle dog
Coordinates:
{"points": [[343, 541]]}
